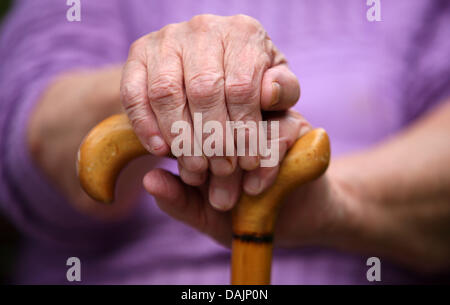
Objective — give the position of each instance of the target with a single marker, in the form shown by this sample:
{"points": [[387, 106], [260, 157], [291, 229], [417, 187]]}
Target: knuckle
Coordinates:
{"points": [[131, 94], [202, 21], [241, 88], [248, 22], [205, 88], [168, 31], [136, 46], [165, 91], [244, 112]]}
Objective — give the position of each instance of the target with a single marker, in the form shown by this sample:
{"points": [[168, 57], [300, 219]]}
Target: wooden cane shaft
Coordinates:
{"points": [[251, 262], [254, 217]]}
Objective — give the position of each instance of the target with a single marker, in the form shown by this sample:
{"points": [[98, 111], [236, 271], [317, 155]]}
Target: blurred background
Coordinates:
{"points": [[9, 237], [4, 6]]}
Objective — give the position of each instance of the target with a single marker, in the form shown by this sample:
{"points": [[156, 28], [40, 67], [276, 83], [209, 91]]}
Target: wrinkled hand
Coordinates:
{"points": [[226, 68]]}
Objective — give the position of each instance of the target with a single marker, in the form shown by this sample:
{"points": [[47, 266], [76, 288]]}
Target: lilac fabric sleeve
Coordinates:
{"points": [[427, 66], [37, 44]]}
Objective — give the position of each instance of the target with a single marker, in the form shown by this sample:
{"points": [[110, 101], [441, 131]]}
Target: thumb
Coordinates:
{"points": [[187, 204], [280, 89]]}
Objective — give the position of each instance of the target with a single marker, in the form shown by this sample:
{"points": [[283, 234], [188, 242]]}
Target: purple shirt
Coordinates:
{"points": [[362, 81]]}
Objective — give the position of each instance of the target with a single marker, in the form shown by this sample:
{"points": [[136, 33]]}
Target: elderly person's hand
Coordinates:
{"points": [[226, 68]]}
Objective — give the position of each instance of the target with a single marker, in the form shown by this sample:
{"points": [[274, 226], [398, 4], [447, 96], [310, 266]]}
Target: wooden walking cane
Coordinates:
{"points": [[112, 144]]}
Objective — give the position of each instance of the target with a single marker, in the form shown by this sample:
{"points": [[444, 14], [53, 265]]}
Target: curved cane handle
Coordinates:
{"points": [[307, 159], [106, 149]]}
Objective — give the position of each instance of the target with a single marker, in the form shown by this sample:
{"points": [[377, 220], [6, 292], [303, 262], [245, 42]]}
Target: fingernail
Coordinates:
{"points": [[155, 144], [220, 198], [221, 166], [276, 90], [253, 185]]}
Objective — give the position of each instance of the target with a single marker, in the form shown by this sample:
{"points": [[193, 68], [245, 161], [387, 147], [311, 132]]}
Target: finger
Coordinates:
{"points": [[280, 89], [204, 82], [245, 64], [291, 126], [168, 100], [187, 204], [224, 191], [134, 98], [191, 178]]}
